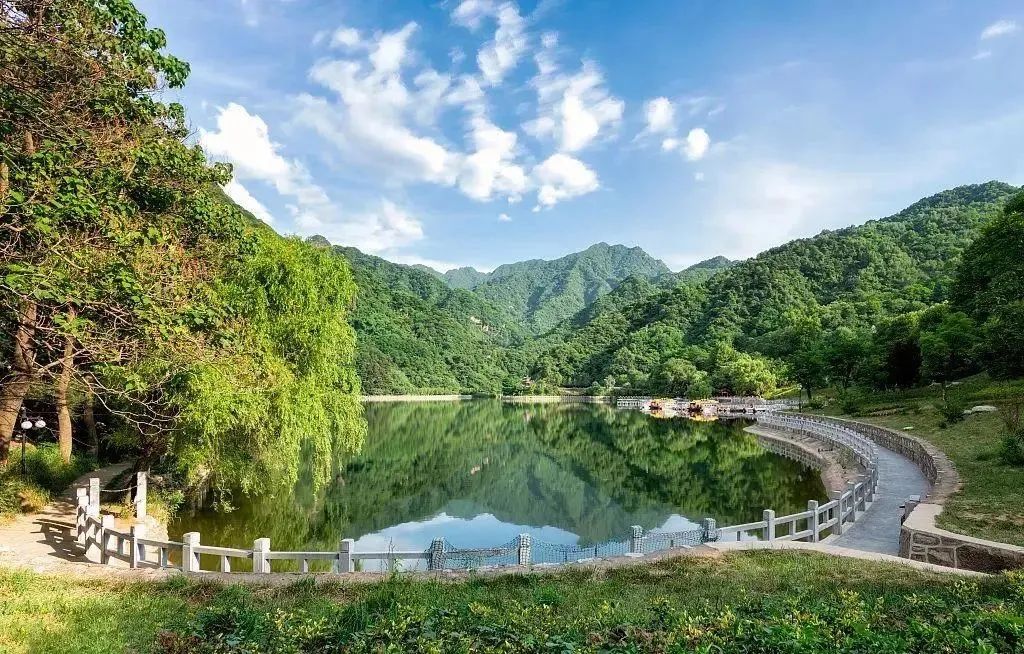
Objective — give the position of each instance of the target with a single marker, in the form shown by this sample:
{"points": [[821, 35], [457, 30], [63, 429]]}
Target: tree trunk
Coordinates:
{"points": [[89, 418], [16, 386], [67, 364]]}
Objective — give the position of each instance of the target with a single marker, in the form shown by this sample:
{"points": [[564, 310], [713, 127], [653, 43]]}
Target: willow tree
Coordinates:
{"points": [[127, 276]]}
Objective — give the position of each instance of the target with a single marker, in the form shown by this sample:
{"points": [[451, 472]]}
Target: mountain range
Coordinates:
{"points": [[614, 315]]}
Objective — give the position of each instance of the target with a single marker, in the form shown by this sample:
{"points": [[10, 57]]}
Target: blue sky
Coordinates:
{"points": [[479, 132]]}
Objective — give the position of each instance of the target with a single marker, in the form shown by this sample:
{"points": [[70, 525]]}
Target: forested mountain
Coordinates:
{"points": [[466, 277], [735, 331], [544, 293], [416, 335]]}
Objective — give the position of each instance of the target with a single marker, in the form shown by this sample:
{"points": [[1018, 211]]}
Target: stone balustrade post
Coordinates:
{"points": [[812, 521], [524, 550], [138, 550], [710, 534], [345, 561], [260, 562], [636, 539], [851, 490], [81, 513], [436, 561], [189, 555], [141, 491], [769, 519], [106, 525], [837, 497], [94, 496]]}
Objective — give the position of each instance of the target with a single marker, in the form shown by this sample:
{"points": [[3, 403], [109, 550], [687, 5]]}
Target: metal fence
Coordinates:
{"points": [[104, 544]]}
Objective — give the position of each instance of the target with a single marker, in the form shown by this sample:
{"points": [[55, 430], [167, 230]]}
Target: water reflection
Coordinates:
{"points": [[480, 473]]}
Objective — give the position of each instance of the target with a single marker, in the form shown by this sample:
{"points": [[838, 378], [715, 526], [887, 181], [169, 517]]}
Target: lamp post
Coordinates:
{"points": [[28, 424]]}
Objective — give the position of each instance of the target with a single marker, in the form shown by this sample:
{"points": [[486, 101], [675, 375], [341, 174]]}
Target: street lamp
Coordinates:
{"points": [[28, 424]]}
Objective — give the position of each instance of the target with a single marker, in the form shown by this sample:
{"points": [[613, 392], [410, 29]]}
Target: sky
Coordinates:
{"points": [[481, 132]]}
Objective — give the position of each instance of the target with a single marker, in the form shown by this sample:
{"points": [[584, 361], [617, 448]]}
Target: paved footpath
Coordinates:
{"points": [[878, 528]]}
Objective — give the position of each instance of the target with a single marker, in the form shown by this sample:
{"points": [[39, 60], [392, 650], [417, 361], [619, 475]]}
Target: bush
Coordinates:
{"points": [[851, 401], [18, 495], [46, 469], [952, 410], [1011, 446]]}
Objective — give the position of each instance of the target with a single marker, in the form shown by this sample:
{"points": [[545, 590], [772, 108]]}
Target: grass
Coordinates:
{"points": [[755, 601]]}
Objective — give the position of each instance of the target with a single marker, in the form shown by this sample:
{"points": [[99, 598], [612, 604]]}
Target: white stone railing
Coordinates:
{"points": [[104, 544]]}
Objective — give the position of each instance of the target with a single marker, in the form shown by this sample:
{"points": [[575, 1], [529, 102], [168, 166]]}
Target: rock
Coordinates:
{"points": [[982, 408]]}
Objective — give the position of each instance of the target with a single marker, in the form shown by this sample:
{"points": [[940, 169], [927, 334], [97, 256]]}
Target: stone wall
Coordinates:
{"points": [[921, 540]]}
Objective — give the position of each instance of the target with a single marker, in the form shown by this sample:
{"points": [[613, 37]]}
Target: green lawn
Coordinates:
{"points": [[749, 602]]}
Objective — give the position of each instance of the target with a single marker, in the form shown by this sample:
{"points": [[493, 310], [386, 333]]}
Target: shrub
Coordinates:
{"points": [[1011, 446], [851, 401], [952, 410], [46, 469]]}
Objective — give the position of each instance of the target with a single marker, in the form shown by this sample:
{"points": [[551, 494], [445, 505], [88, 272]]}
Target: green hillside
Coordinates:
{"points": [[416, 335], [544, 293], [745, 323]]}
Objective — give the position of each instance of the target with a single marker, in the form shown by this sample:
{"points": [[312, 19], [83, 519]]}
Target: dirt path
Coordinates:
{"points": [[45, 541]]}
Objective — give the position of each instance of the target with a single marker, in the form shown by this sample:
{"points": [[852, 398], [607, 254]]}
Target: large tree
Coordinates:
{"points": [[128, 278]]}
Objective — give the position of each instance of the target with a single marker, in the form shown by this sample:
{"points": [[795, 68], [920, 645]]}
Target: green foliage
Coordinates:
{"points": [[46, 474], [543, 615], [418, 336], [990, 288], [542, 294], [952, 409], [848, 307], [202, 334]]}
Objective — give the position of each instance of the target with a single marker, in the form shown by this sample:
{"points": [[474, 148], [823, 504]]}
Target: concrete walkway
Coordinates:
{"points": [[45, 541], [878, 528]]}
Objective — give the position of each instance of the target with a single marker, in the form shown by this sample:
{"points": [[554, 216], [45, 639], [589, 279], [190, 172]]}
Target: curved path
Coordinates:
{"points": [[878, 528]]}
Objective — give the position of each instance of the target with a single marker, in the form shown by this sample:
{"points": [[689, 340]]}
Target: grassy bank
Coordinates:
{"points": [[750, 602]]}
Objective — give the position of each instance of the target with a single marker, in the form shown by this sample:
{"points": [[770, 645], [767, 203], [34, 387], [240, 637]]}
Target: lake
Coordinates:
{"points": [[479, 473]]}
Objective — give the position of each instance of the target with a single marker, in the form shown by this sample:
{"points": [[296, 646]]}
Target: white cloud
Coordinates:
{"points": [[345, 37], [572, 109], [243, 139], [698, 176], [763, 203], [245, 199], [388, 228], [561, 177], [504, 218], [501, 54], [368, 122], [694, 146], [661, 115], [999, 28], [491, 168], [697, 144], [981, 55], [471, 13]]}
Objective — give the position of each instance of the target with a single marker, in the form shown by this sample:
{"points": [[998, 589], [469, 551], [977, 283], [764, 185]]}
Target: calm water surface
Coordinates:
{"points": [[479, 473]]}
